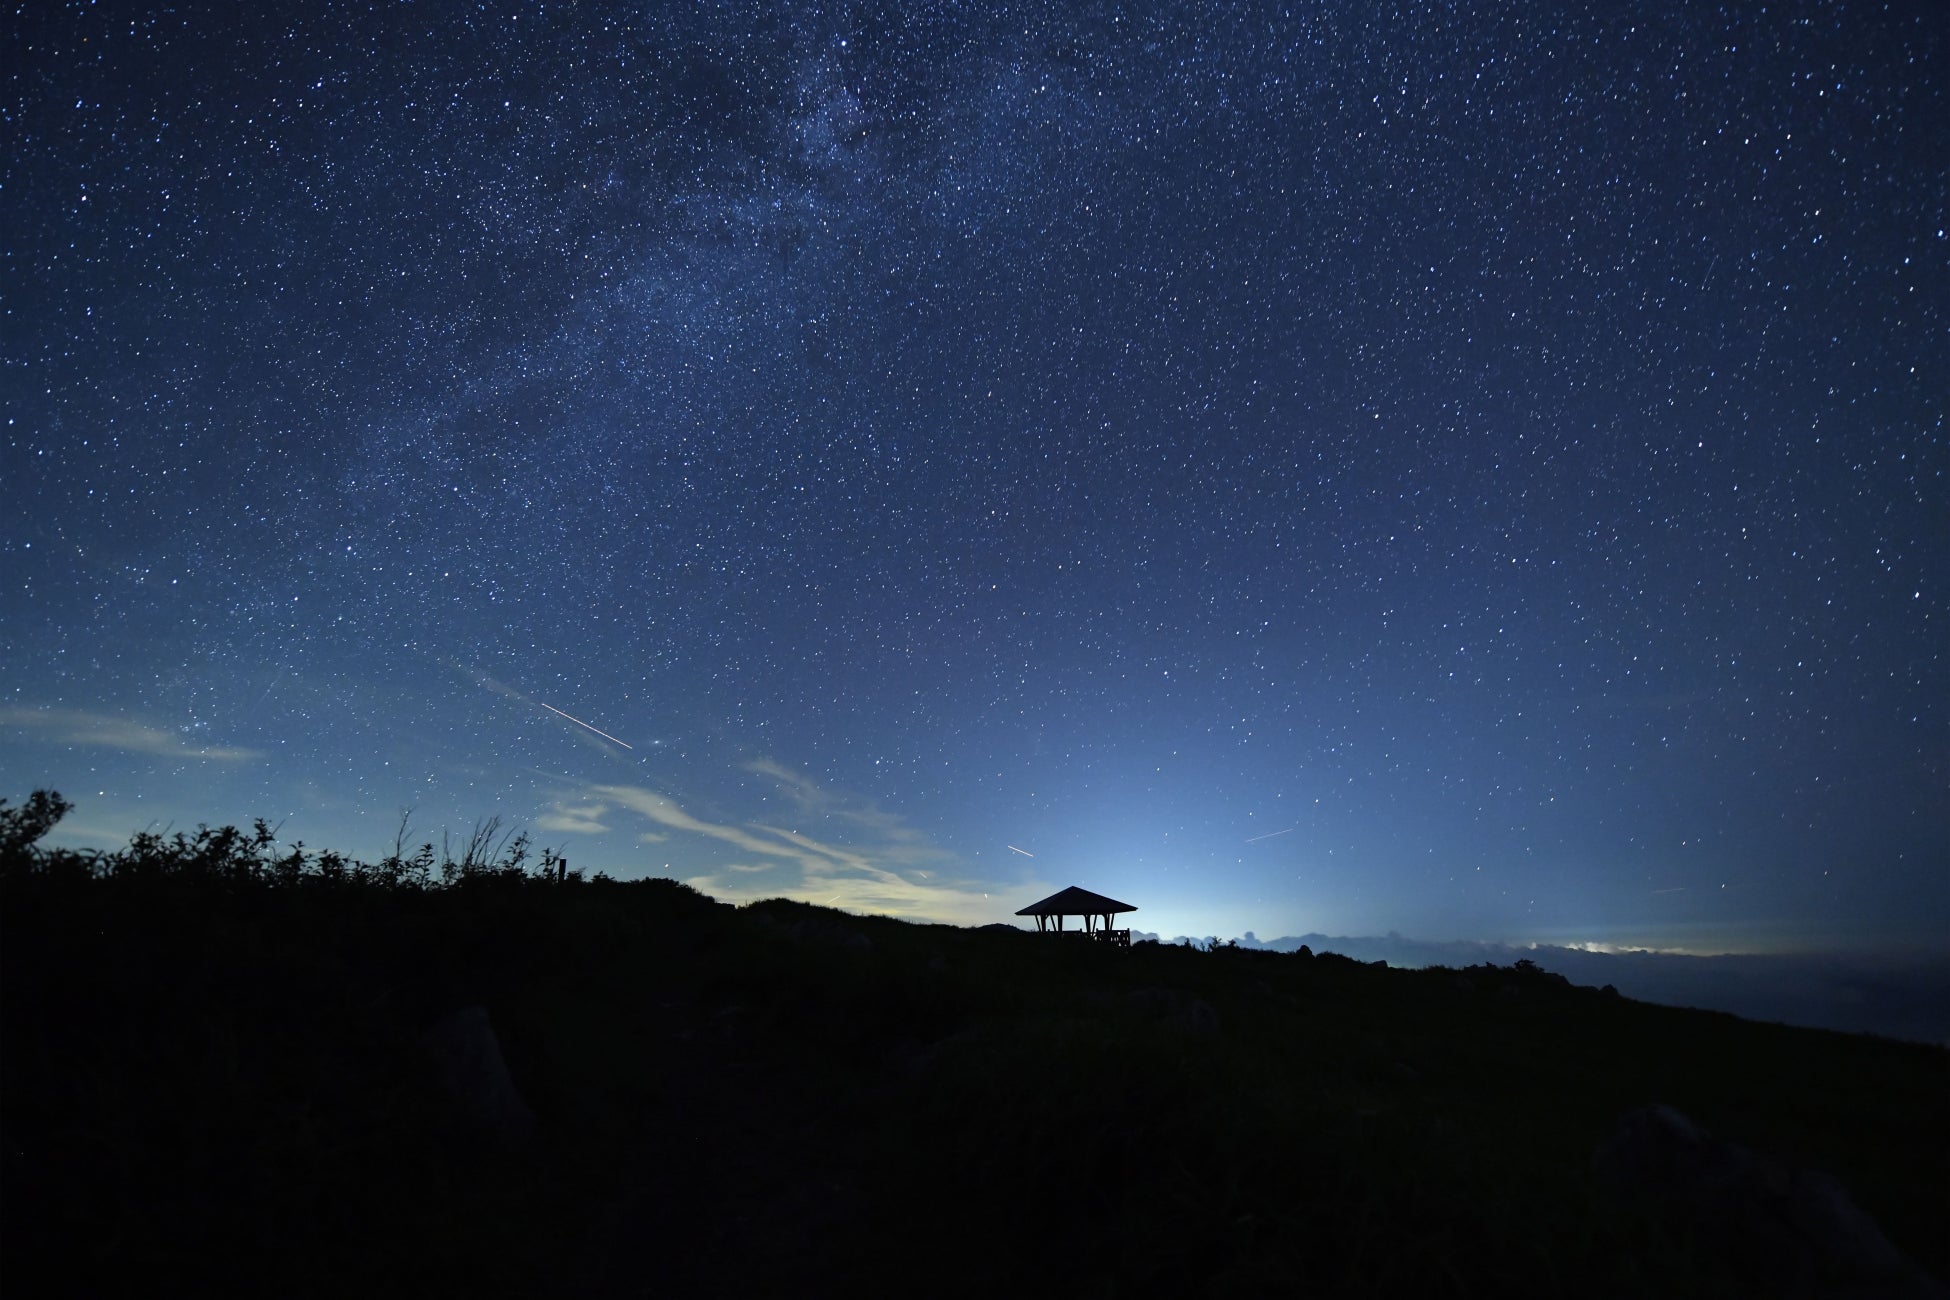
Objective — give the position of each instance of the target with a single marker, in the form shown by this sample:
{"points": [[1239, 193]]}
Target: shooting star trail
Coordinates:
{"points": [[268, 689], [1025, 852], [1270, 834], [580, 723]]}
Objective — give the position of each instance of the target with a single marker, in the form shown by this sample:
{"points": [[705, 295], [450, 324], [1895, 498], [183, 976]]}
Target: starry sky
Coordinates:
{"points": [[1476, 471]]}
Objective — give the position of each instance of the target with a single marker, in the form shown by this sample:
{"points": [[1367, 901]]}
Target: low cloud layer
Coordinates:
{"points": [[1900, 997]]}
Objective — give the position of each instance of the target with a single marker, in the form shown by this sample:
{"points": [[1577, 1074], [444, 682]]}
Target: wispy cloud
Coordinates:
{"points": [[815, 800], [79, 727], [575, 819], [1901, 995], [874, 863]]}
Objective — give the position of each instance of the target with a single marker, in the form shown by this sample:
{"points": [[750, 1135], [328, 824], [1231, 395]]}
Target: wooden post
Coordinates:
{"points": [[561, 871]]}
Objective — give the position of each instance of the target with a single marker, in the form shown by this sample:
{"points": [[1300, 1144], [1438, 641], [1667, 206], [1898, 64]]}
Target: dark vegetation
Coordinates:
{"points": [[216, 1076]]}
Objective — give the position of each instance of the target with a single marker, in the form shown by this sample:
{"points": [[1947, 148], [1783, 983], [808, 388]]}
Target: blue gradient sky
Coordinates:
{"points": [[1477, 475]]}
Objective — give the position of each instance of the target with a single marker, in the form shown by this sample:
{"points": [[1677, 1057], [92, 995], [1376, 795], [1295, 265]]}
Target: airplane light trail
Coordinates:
{"points": [[1025, 852], [580, 723], [1270, 834]]}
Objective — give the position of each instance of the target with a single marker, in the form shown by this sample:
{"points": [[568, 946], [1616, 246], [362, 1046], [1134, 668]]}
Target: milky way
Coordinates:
{"points": [[1481, 474]]}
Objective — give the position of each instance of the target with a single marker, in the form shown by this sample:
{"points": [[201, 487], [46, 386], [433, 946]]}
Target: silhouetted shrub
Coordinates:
{"points": [[23, 827]]}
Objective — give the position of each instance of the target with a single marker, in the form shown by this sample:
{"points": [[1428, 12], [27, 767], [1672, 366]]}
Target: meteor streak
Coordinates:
{"points": [[580, 723], [1025, 852], [1270, 834]]}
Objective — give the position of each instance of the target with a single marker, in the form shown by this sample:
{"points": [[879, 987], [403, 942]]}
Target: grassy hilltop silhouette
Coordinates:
{"points": [[228, 1063]]}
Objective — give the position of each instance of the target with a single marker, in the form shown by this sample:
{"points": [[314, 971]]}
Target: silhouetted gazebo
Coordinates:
{"points": [[1091, 907]]}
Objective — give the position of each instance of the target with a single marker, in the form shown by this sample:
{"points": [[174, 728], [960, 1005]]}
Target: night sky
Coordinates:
{"points": [[1478, 471]]}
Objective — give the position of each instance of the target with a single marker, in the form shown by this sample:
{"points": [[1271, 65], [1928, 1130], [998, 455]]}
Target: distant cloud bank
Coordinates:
{"points": [[1899, 997]]}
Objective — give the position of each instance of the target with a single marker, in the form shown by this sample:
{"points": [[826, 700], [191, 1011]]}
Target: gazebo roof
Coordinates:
{"points": [[1075, 902]]}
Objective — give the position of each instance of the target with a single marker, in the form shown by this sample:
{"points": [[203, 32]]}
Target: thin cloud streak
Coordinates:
{"points": [[879, 872], [79, 727], [576, 819]]}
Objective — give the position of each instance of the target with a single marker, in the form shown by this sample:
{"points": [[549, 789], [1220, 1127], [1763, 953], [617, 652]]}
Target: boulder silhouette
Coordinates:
{"points": [[1175, 1009], [1789, 1231], [467, 1060]]}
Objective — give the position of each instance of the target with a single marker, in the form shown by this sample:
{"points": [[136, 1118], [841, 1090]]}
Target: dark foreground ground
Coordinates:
{"points": [[226, 1070]]}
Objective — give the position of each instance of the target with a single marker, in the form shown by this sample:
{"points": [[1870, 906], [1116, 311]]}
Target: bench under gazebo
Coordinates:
{"points": [[1050, 914]]}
